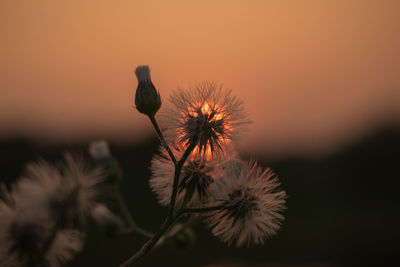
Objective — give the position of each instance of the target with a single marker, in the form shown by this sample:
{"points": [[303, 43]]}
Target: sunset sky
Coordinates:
{"points": [[315, 76]]}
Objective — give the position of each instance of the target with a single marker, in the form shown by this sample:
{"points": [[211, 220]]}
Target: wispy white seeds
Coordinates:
{"points": [[206, 116], [197, 175], [253, 204], [41, 218]]}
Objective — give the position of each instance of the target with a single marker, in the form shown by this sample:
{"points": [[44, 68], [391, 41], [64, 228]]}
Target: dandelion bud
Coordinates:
{"points": [[147, 99], [99, 150]]}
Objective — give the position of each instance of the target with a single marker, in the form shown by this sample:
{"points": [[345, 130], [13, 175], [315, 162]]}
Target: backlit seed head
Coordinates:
{"points": [[198, 173], [253, 204], [195, 178], [206, 117]]}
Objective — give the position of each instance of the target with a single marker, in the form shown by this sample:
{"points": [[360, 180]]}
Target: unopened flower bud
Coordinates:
{"points": [[147, 99], [99, 150]]}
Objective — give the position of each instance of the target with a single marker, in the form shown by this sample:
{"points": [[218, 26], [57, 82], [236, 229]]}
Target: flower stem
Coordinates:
{"points": [[178, 169], [187, 224], [170, 220], [149, 245], [162, 139]]}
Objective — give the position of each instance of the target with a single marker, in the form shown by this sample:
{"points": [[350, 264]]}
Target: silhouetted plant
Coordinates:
{"points": [[198, 175]]}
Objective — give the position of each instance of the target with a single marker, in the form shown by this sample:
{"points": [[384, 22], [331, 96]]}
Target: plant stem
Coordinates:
{"points": [[178, 169], [146, 248], [187, 224], [137, 229], [162, 139], [149, 245]]}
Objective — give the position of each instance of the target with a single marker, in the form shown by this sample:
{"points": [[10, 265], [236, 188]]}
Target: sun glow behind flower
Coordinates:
{"points": [[206, 118], [214, 119]]}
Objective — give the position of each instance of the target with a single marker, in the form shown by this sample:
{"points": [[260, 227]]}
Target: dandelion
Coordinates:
{"points": [[66, 244], [23, 237], [42, 217], [206, 118], [197, 175], [252, 201], [70, 191], [99, 150], [31, 238]]}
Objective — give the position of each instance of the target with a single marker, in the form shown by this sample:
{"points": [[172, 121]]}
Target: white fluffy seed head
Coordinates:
{"points": [[198, 173], [253, 203], [45, 208], [65, 245], [206, 116]]}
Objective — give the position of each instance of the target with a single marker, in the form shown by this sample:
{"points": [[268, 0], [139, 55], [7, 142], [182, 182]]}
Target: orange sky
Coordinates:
{"points": [[315, 75]]}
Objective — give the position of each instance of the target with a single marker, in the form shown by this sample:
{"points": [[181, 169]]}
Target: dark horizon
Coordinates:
{"points": [[341, 208]]}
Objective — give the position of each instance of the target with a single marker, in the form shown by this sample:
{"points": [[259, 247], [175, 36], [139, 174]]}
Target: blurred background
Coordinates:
{"points": [[320, 81]]}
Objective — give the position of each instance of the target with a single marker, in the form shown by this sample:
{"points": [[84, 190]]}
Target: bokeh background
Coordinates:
{"points": [[320, 81]]}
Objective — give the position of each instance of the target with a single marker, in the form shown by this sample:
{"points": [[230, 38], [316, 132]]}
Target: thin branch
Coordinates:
{"points": [[178, 168], [185, 225], [162, 139], [149, 245]]}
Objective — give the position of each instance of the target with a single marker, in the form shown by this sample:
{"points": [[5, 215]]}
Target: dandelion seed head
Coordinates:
{"points": [[253, 204], [197, 175], [206, 116], [240, 204], [27, 239], [41, 206], [196, 178], [84, 180], [23, 235], [66, 244]]}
